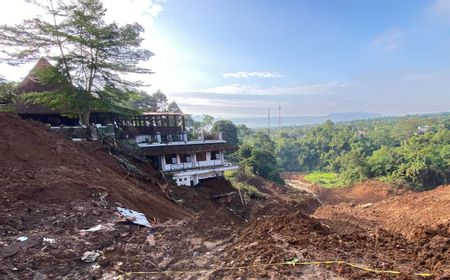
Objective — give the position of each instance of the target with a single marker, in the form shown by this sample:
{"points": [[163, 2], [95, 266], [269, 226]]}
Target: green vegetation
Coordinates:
{"points": [[7, 91], [411, 151], [240, 183], [324, 179]]}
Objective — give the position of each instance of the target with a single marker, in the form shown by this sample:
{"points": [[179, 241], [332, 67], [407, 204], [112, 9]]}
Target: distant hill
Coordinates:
{"points": [[304, 120]]}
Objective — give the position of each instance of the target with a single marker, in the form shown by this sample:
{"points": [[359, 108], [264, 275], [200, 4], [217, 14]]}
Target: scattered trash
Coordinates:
{"points": [[90, 256], [49, 240], [134, 217], [22, 238], [92, 229]]}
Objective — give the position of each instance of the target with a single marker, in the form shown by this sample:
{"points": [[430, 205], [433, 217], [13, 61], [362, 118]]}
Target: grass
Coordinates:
{"points": [[327, 180]]}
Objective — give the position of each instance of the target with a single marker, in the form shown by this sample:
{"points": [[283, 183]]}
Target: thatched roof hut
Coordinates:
{"points": [[31, 82]]}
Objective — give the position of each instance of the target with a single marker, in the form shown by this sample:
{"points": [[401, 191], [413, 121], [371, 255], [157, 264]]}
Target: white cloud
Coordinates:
{"points": [[311, 89], [389, 40], [245, 74], [441, 9]]}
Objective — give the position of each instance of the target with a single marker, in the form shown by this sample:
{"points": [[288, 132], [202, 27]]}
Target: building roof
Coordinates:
{"points": [[162, 114], [186, 148], [31, 83]]}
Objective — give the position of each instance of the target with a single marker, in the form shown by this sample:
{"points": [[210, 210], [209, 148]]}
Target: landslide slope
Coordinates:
{"points": [[39, 167]]}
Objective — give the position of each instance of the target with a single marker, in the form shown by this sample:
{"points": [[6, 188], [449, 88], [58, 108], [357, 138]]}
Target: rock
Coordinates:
{"points": [[439, 243], [367, 205], [90, 256], [40, 276]]}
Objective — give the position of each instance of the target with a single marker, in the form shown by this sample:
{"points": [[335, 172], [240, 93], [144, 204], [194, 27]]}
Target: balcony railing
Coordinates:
{"points": [[196, 164]]}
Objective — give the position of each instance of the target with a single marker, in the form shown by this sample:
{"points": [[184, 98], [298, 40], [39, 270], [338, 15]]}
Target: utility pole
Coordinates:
{"points": [[279, 120], [268, 120]]}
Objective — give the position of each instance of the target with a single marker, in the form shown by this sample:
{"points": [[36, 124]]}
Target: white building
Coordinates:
{"points": [[162, 138]]}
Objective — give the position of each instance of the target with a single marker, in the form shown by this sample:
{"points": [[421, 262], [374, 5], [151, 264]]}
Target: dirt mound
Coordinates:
{"points": [[366, 192], [279, 235], [38, 167], [412, 214]]}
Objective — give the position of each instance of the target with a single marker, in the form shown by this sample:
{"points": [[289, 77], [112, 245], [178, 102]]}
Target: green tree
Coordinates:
{"points": [[384, 162], [7, 91], [228, 130], [173, 107], [92, 58]]}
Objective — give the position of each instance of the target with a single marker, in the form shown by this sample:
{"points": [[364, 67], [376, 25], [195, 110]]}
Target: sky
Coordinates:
{"points": [[235, 58]]}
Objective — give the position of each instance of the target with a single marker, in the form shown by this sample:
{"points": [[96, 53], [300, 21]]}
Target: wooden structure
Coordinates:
{"points": [[150, 123]]}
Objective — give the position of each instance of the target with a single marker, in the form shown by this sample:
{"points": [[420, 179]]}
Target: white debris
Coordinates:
{"points": [[92, 229], [134, 217], [95, 267], [22, 238], [367, 205], [90, 256], [49, 240]]}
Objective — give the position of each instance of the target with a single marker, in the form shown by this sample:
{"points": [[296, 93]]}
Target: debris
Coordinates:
{"points": [[127, 165], [22, 238], [223, 195], [49, 240], [92, 229], [134, 217], [95, 267], [90, 256], [367, 205]]}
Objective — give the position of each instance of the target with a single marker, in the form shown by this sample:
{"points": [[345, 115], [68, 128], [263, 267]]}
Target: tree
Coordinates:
{"points": [[157, 102], [91, 56], [173, 108], [243, 131], [228, 130], [7, 91], [160, 101]]}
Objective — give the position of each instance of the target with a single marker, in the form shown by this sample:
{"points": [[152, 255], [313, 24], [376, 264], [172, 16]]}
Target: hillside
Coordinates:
{"points": [[60, 221]]}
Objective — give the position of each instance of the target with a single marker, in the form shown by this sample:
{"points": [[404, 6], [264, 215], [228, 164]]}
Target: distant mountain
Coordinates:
{"points": [[304, 120]]}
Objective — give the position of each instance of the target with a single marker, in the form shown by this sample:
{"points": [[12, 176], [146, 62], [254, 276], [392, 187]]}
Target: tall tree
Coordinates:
{"points": [[91, 56], [228, 130], [173, 107]]}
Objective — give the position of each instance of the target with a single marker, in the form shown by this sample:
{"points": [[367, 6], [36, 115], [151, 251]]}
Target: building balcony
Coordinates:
{"points": [[195, 165]]}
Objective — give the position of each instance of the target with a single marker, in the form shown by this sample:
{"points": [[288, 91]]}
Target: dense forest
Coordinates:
{"points": [[411, 151]]}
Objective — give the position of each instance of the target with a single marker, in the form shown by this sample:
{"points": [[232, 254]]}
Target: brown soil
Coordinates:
{"points": [[412, 214], [53, 188], [366, 192], [38, 167]]}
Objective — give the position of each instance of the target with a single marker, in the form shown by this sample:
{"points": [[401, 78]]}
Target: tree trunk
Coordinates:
{"points": [[84, 117]]}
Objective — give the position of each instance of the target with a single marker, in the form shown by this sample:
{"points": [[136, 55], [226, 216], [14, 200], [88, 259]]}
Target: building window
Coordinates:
{"points": [[185, 158], [171, 159], [215, 155], [201, 156]]}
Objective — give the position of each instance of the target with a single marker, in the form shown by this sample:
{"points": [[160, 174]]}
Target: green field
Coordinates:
{"points": [[324, 179]]}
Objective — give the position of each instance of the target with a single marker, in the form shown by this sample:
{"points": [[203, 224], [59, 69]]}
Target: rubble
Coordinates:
{"points": [[90, 256]]}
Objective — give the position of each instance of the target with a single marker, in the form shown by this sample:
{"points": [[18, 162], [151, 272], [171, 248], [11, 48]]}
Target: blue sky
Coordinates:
{"points": [[235, 58]]}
